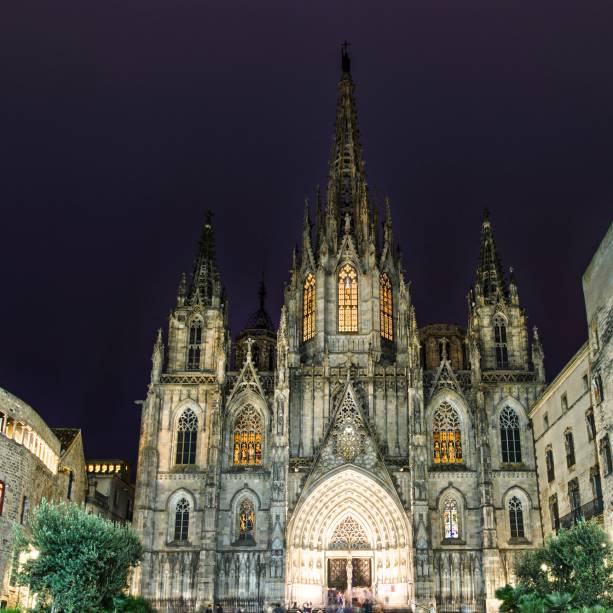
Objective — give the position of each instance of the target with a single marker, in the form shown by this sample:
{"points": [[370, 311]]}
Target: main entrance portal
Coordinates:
{"points": [[349, 539]]}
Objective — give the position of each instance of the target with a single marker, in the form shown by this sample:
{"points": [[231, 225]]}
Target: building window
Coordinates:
{"points": [[595, 483], [386, 308], [308, 308], [605, 452], [551, 474], [2, 422], [500, 342], [509, 436], [516, 518], [450, 519], [554, 512], [545, 422], [246, 522], [182, 519], [597, 389], [569, 443], [591, 424], [194, 345], [586, 385], [347, 299], [446, 436], [70, 482], [187, 437], [248, 437], [25, 510], [2, 491], [574, 498], [564, 402]]}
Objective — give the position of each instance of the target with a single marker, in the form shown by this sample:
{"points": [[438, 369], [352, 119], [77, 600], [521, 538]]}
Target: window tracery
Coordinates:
{"points": [[187, 437], [500, 341], [246, 521], [348, 434], [349, 534], [182, 510], [509, 435], [248, 438], [348, 299], [447, 435], [516, 518], [450, 519], [194, 345], [308, 308], [386, 307]]}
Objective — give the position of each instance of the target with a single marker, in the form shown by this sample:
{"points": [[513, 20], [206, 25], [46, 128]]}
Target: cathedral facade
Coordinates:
{"points": [[350, 451]]}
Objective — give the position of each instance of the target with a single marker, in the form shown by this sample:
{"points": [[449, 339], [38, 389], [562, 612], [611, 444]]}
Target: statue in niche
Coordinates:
{"points": [[280, 417]]}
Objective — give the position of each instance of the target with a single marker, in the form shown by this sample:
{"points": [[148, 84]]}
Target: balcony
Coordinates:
{"points": [[585, 511]]}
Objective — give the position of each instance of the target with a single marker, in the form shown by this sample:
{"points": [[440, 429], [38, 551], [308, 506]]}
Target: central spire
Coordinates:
{"points": [[347, 188]]}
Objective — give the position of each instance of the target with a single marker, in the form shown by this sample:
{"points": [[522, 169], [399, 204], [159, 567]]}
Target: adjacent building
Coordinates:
{"points": [[36, 462], [109, 493]]}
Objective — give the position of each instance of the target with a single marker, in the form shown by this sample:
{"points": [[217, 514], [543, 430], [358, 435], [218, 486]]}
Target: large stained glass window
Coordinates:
{"points": [[247, 450], [246, 521], [347, 299], [509, 436], [386, 308], [450, 519], [446, 435], [308, 308], [187, 437]]}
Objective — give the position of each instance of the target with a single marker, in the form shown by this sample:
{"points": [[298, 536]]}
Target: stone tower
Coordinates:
{"points": [[353, 454]]}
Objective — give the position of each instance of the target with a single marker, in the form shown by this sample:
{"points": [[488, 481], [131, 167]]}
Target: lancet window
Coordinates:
{"points": [[509, 436], [2, 490], [248, 438], [348, 299], [246, 521], [187, 437], [349, 534], [308, 308], [194, 345], [450, 519], [516, 518], [182, 510], [386, 308], [446, 435], [500, 342]]}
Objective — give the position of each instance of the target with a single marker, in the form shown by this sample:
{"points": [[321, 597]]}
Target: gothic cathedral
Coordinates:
{"points": [[351, 452]]}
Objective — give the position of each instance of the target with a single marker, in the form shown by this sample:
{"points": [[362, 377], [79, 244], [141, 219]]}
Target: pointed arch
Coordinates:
{"points": [[194, 343], [349, 534], [510, 440], [246, 522], [517, 509], [451, 506], [180, 507], [308, 308], [447, 444], [186, 437], [347, 298], [247, 437], [500, 340], [386, 307]]}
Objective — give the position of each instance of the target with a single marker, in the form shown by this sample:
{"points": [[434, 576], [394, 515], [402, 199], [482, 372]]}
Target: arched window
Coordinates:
{"points": [[2, 490], [247, 450], [509, 436], [450, 519], [308, 308], [70, 482], [187, 437], [386, 307], [194, 345], [569, 443], [347, 299], [246, 522], [182, 510], [500, 342], [516, 518], [447, 436]]}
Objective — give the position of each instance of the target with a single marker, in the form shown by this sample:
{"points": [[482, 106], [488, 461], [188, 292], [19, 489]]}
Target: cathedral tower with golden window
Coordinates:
{"points": [[349, 452]]}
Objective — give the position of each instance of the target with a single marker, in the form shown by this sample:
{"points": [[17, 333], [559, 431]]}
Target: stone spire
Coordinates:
{"points": [[347, 188], [490, 282], [205, 278]]}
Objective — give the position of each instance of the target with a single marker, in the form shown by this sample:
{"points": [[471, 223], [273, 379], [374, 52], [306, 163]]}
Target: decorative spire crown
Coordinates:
{"points": [[490, 277], [205, 278]]}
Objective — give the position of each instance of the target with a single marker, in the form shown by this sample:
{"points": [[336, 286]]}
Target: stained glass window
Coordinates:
{"points": [[246, 521], [386, 308], [347, 299], [516, 518], [247, 450], [194, 345], [187, 437], [500, 342], [446, 435], [450, 519], [308, 308], [509, 435], [182, 519]]}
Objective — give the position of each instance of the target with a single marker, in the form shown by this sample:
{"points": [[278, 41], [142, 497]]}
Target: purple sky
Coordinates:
{"points": [[120, 122]]}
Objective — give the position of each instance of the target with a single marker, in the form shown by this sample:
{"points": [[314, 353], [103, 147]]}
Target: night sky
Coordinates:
{"points": [[121, 122]]}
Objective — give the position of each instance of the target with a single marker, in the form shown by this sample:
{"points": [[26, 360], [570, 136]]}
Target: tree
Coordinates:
{"points": [[82, 561], [578, 562]]}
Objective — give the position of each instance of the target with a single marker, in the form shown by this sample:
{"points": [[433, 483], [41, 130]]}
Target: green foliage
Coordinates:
{"points": [[83, 560], [130, 604], [510, 597], [531, 603], [557, 601], [577, 562], [12, 610]]}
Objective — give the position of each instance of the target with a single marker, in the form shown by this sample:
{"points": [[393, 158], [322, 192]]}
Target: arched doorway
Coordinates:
{"points": [[349, 534]]}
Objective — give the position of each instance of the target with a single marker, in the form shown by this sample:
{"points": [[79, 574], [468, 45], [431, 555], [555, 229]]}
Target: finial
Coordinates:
{"points": [[208, 219], [262, 292], [345, 59], [250, 342], [486, 216]]}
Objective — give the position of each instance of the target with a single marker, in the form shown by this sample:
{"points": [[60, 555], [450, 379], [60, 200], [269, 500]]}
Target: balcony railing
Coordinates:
{"points": [[585, 511]]}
